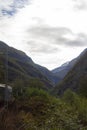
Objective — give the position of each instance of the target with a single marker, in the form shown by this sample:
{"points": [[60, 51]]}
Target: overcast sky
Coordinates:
{"points": [[51, 32]]}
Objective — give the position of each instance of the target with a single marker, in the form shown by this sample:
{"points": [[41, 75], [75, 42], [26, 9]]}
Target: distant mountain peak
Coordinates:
{"points": [[65, 64]]}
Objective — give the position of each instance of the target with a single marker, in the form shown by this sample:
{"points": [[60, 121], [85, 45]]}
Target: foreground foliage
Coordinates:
{"points": [[35, 109]]}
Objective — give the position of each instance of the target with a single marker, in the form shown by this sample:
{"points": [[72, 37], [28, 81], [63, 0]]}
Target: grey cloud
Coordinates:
{"points": [[57, 36], [36, 47], [80, 4], [49, 34], [76, 43], [81, 40], [48, 31]]}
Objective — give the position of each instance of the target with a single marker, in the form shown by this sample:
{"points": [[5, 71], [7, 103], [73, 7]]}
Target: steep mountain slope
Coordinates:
{"points": [[18, 62], [76, 79], [20, 65], [51, 76], [64, 69]]}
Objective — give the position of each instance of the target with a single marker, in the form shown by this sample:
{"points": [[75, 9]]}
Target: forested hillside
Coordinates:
{"points": [[35, 104], [19, 65], [76, 79]]}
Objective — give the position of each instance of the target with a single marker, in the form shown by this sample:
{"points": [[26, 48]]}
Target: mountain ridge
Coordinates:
{"points": [[62, 70], [76, 78], [19, 64]]}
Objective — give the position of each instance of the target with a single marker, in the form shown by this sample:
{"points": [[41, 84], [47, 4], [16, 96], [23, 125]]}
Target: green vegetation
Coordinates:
{"points": [[83, 86], [20, 66], [34, 108], [76, 78]]}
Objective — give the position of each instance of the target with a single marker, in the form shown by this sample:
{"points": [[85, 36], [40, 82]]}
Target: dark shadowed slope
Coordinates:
{"points": [[64, 69], [20, 65], [76, 79]]}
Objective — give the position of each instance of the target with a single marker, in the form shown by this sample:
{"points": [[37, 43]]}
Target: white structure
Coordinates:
{"points": [[2, 92]]}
